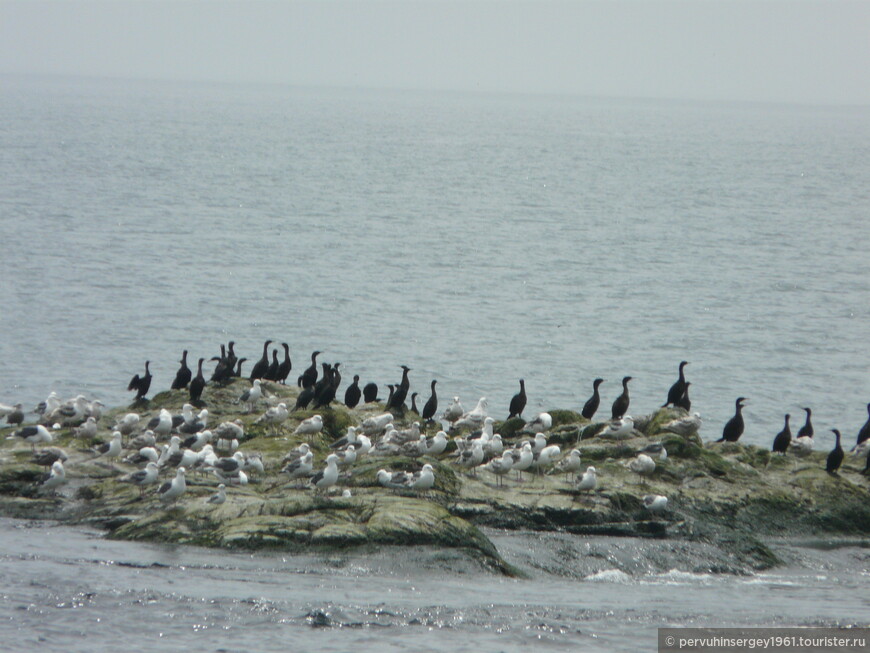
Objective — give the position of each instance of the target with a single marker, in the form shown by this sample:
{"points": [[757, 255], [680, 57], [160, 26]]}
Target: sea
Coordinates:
{"points": [[476, 238]]}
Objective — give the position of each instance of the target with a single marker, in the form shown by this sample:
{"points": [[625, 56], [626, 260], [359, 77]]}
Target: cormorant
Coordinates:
{"points": [[807, 428], [864, 433], [370, 392], [285, 367], [835, 458], [401, 392], [734, 427], [431, 405], [593, 402], [271, 373], [676, 391], [685, 403], [238, 371], [620, 404], [783, 438], [197, 384], [309, 376], [352, 394], [518, 401], [141, 384], [414, 403], [262, 365], [326, 393], [183, 376]]}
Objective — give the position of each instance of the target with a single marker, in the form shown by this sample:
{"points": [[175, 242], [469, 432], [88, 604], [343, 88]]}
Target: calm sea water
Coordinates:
{"points": [[478, 239]]}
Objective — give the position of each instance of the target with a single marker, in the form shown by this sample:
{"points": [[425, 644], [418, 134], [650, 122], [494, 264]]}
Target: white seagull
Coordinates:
{"points": [[171, 490]]}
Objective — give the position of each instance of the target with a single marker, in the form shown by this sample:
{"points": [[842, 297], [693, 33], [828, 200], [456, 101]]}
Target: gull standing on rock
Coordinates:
{"points": [[618, 429], [55, 478], [310, 426], [142, 478], [588, 481], [33, 435], [540, 423], [218, 497], [523, 458], [252, 395], [453, 412], [300, 467], [327, 477], [501, 466], [642, 465], [571, 464], [474, 418], [171, 490], [275, 416], [422, 480]]}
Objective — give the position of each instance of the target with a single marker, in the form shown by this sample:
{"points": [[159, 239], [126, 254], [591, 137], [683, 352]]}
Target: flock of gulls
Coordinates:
{"points": [[186, 443]]}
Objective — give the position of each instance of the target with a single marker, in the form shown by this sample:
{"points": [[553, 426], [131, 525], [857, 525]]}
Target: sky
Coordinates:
{"points": [[815, 52]]}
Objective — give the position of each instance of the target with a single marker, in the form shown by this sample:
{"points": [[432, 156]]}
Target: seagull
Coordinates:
{"points": [[684, 425], [296, 454], [145, 439], [377, 424], [546, 458], [86, 430], [251, 396], [474, 418], [14, 414], [47, 457], [454, 411], [143, 455], [802, 446], [571, 464], [618, 429], [327, 477], [171, 490], [55, 478], [472, 457], [196, 425], [300, 467], [523, 458], [643, 465], [588, 481], [655, 503], [310, 426], [347, 456], [422, 480], [162, 424], [274, 416], [127, 424], [501, 466], [392, 479], [33, 435], [142, 477], [218, 497], [436, 444], [111, 449], [540, 423], [655, 450]]}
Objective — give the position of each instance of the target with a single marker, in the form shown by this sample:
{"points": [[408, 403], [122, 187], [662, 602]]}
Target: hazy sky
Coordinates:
{"points": [[767, 50]]}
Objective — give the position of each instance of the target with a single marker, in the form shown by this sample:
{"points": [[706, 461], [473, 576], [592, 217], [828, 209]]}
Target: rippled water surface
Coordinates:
{"points": [[478, 239], [69, 589]]}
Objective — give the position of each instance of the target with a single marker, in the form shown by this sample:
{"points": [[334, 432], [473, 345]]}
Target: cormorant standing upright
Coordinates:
{"points": [[518, 401], [620, 404], [835, 458], [807, 429], [262, 365], [414, 403], [783, 438], [676, 391], [309, 376], [352, 394], [401, 392], [431, 405], [685, 403], [183, 376], [734, 426], [141, 384], [593, 402], [197, 384], [864, 433], [285, 367], [272, 371]]}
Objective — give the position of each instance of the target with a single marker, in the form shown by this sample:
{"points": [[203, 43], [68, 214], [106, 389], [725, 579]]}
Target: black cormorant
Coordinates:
{"points": [[620, 404], [183, 376], [518, 401], [591, 405], [431, 405], [734, 426], [352, 394], [262, 365], [835, 458], [141, 384], [783, 438], [676, 391]]}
